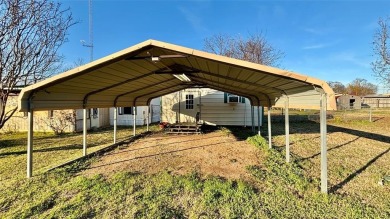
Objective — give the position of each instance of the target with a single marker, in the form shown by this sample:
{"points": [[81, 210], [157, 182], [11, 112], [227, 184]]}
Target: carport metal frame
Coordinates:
{"points": [[258, 94]]}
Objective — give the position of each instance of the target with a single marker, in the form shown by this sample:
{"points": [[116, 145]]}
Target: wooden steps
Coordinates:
{"points": [[183, 129]]}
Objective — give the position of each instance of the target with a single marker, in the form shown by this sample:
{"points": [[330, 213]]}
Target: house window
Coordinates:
{"points": [[95, 113], [125, 110], [189, 101]]}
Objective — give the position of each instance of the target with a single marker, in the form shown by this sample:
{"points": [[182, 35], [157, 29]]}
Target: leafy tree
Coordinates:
{"points": [[361, 87], [255, 48], [31, 32], [381, 66], [338, 87]]}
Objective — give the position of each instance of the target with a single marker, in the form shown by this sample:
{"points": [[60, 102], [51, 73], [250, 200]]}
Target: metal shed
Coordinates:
{"points": [[134, 76], [346, 101]]}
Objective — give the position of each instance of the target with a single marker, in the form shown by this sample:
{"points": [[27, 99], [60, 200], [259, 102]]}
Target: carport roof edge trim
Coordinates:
{"points": [[123, 54]]}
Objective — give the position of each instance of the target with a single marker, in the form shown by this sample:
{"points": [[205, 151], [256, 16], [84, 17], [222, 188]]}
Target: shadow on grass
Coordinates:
{"points": [[363, 134], [22, 139], [61, 148], [374, 119], [340, 185], [12, 143], [49, 149], [330, 149], [314, 127], [241, 133]]}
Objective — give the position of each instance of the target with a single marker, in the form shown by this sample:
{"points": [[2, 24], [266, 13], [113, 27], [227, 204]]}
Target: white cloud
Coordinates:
{"points": [[352, 58], [195, 21], [321, 45], [314, 31], [316, 46], [317, 31]]}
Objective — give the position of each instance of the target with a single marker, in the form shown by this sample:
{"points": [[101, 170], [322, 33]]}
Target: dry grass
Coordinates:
{"points": [[50, 150], [358, 154]]}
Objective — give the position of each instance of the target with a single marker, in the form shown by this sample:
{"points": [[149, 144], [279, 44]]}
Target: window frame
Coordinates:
{"points": [[95, 113], [126, 110], [189, 101]]}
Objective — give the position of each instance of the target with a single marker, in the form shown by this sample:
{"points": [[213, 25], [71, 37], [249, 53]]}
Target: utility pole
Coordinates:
{"points": [[90, 44]]}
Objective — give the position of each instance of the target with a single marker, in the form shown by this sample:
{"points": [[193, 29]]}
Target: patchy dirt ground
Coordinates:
{"points": [[214, 153]]}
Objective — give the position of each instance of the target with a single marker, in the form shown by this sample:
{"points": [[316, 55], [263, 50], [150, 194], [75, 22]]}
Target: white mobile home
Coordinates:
{"points": [[96, 117], [212, 107], [126, 114]]}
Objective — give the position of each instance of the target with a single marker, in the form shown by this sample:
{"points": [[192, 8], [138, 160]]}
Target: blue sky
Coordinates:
{"points": [[330, 40]]}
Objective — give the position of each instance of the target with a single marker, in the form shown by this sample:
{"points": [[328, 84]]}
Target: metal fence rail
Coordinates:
{"points": [[365, 113]]}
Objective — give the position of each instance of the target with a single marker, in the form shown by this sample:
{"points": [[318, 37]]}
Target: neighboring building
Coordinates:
{"points": [[346, 101], [125, 114], [72, 120], [377, 100], [212, 107], [54, 120]]}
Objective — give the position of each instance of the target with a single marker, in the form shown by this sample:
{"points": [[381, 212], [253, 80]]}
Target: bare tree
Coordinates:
{"points": [[381, 66], [255, 48], [31, 32], [61, 121], [361, 87], [338, 87]]}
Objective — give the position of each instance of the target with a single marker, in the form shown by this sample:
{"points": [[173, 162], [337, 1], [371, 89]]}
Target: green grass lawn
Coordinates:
{"points": [[358, 157], [51, 150]]}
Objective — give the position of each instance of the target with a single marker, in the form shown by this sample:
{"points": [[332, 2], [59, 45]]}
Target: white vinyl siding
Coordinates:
{"points": [[125, 116], [212, 106]]}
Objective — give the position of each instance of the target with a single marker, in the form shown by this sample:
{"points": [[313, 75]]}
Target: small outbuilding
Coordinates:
{"points": [[346, 101], [377, 100]]}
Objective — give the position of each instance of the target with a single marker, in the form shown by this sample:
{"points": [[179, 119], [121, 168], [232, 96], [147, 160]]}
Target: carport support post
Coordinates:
{"points": [[147, 118], [115, 122], [258, 119], [253, 118], [324, 165], [269, 128], [134, 122], [84, 132], [287, 124], [30, 136], [179, 107]]}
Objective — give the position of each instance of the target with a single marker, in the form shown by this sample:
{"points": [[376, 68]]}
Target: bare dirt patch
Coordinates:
{"points": [[215, 153]]}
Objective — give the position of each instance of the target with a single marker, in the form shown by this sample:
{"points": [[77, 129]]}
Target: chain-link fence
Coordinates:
{"points": [[364, 113]]}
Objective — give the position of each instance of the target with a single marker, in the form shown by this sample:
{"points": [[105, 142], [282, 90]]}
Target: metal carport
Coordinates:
{"points": [[136, 75]]}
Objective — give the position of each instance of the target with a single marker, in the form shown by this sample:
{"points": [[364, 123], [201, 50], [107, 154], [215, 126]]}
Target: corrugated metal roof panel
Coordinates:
{"points": [[139, 73]]}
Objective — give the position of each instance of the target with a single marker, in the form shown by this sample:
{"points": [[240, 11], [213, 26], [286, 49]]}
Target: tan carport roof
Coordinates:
{"points": [[134, 76]]}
